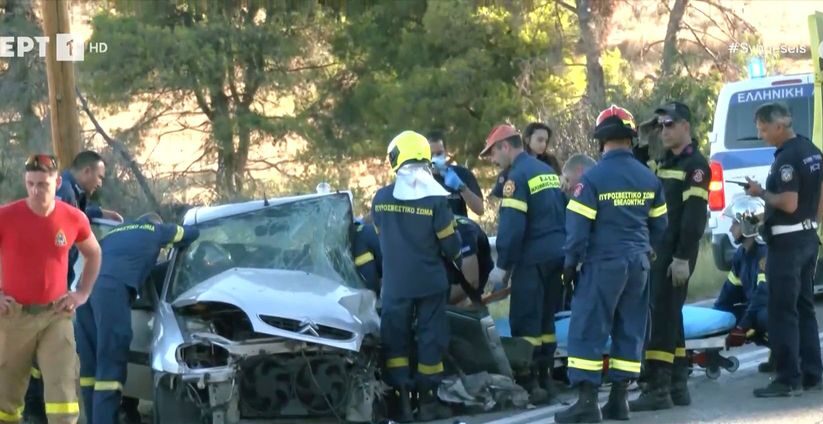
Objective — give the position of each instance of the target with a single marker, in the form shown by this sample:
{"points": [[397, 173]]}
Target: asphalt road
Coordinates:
{"points": [[728, 399]]}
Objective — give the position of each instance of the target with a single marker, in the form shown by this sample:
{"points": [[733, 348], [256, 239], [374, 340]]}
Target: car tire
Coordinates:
{"points": [[171, 405]]}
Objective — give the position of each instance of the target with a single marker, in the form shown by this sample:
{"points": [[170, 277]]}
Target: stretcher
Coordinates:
{"points": [[705, 332]]}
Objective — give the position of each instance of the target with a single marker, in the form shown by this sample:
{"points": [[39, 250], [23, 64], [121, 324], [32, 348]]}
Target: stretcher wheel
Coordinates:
{"points": [[735, 364], [713, 373]]}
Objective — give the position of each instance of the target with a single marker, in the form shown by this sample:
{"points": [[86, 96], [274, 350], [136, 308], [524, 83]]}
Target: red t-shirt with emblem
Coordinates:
{"points": [[34, 250]]}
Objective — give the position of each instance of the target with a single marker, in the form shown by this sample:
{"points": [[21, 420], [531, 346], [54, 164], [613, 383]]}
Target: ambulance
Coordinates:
{"points": [[736, 152]]}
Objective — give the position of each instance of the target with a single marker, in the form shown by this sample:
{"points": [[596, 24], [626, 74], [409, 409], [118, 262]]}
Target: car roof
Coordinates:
{"points": [[203, 214], [753, 83]]}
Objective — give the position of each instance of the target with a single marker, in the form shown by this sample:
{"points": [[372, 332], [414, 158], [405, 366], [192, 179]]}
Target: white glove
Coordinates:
{"points": [[679, 271]]}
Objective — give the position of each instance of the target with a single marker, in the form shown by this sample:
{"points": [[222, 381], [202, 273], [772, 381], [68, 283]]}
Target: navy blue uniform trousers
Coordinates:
{"points": [[535, 292], [793, 337], [611, 298], [398, 318], [103, 333]]}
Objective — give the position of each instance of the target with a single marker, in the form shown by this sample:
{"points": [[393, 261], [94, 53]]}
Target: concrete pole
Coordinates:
{"points": [[65, 124]]}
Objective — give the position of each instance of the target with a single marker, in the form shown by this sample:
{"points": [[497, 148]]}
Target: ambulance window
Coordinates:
{"points": [[741, 132]]}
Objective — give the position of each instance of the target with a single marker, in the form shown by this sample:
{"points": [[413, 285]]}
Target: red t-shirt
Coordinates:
{"points": [[34, 250]]}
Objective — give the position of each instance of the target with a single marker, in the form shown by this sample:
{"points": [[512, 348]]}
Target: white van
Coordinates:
{"points": [[737, 152]]}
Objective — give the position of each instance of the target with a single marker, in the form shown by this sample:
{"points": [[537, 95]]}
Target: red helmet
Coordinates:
{"points": [[615, 122], [498, 133]]}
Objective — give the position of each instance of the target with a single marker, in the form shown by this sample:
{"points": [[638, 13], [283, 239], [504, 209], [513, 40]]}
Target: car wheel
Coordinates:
{"points": [[172, 405]]}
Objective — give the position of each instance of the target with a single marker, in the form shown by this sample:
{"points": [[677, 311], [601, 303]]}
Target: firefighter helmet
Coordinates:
{"points": [[747, 211], [408, 146], [499, 133], [615, 123]]}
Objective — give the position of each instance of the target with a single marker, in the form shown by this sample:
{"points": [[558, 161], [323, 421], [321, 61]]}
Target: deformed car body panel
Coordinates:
{"points": [[302, 302]]}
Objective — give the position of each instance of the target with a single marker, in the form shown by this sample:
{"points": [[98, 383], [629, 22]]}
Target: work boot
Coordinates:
{"points": [[402, 412], [430, 408], [776, 389], [545, 382], [768, 366], [529, 382], [585, 410], [680, 386], [657, 395], [617, 408]]}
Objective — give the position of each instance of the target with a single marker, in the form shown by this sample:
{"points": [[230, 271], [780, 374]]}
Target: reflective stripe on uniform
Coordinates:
{"points": [[534, 341], [733, 278], [696, 192], [102, 386], [549, 338], [585, 364], [430, 369], [35, 373], [449, 230], [680, 352], [623, 365], [87, 381], [363, 259], [671, 174], [761, 278], [515, 204], [179, 235], [12, 416], [62, 408], [658, 211], [398, 362], [657, 355], [582, 209]]}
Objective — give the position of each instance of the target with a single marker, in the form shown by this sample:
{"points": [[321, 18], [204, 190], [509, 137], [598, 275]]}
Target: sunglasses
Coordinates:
{"points": [[667, 123], [41, 162]]}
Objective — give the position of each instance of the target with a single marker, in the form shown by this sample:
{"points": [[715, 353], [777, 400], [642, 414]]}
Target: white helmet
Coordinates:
{"points": [[747, 211]]}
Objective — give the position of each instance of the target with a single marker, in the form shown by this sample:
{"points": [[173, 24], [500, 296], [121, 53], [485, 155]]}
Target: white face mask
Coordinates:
{"points": [[439, 162]]}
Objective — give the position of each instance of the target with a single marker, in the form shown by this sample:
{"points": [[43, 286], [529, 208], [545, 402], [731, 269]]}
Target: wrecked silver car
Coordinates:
{"points": [[264, 316]]}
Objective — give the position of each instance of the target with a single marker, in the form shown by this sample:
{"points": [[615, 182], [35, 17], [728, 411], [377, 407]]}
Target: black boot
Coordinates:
{"points": [[617, 408], [430, 408], [545, 382], [529, 381], [657, 394], [585, 410], [680, 385], [402, 406]]}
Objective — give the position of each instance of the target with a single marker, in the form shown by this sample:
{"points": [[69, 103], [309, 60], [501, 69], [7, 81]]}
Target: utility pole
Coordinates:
{"points": [[65, 124]]}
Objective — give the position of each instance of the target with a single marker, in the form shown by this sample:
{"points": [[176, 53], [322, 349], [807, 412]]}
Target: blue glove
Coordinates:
{"points": [[452, 180]]}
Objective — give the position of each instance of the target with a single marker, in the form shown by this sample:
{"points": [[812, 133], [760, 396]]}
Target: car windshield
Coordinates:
{"points": [[310, 235], [741, 132]]}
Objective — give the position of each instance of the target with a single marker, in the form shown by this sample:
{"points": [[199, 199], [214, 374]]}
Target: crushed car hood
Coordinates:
{"points": [[292, 304]]}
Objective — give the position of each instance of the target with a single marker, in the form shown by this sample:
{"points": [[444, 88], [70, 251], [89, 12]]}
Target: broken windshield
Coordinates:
{"points": [[310, 235]]}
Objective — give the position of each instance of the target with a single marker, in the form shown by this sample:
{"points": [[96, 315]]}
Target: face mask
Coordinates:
{"points": [[439, 162]]}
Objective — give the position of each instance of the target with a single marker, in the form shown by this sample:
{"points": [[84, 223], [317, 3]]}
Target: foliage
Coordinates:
{"points": [[232, 58]]}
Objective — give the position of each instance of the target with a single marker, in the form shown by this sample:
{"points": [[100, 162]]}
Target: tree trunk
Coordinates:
{"points": [[223, 131], [594, 17], [65, 125], [670, 42], [244, 141]]}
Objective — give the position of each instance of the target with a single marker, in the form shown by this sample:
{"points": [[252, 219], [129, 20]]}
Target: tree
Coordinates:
{"points": [[235, 59]]}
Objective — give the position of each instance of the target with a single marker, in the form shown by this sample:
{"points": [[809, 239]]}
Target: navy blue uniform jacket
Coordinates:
{"points": [[532, 215], [616, 210], [130, 250], [415, 236]]}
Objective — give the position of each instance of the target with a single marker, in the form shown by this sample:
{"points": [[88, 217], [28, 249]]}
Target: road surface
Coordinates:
{"points": [[725, 400]]}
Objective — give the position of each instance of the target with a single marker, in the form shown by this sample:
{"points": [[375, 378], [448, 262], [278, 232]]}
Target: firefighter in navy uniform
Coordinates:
{"points": [[793, 202], [477, 263], [530, 240], [617, 211], [745, 291], [685, 175], [103, 325], [415, 226], [367, 255]]}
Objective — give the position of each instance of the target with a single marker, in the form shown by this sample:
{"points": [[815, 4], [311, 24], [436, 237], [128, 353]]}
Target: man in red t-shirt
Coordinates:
{"points": [[36, 308]]}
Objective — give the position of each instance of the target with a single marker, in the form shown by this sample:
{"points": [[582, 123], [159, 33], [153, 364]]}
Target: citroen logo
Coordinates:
{"points": [[309, 327]]}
